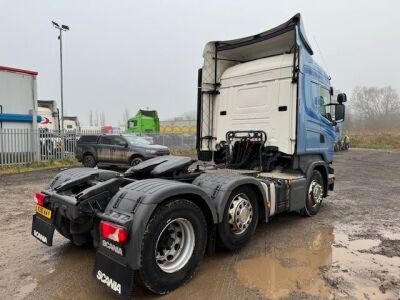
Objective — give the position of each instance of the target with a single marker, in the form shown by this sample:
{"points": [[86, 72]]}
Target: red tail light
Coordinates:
{"points": [[39, 198], [113, 232]]}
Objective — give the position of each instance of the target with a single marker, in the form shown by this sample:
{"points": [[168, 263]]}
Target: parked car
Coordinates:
{"points": [[50, 143], [122, 149]]}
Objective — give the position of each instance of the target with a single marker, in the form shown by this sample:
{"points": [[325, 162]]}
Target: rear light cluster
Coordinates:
{"points": [[39, 198], [113, 232]]}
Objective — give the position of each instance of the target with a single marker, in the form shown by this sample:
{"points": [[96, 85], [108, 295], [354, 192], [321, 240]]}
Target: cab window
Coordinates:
{"points": [[106, 140], [324, 101], [118, 141], [132, 124]]}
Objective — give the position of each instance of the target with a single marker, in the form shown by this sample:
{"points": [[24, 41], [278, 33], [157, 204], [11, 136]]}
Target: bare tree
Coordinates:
{"points": [[375, 107], [102, 119], [191, 115], [96, 120], [125, 117], [91, 118]]}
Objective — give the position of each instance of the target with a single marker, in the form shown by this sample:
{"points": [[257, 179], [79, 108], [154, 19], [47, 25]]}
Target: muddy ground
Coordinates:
{"points": [[351, 249]]}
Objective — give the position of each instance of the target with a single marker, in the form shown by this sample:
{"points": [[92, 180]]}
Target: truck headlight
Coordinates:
{"points": [[151, 151]]}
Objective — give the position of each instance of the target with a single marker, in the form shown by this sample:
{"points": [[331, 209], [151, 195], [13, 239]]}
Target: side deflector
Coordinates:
{"points": [[221, 55], [278, 40]]}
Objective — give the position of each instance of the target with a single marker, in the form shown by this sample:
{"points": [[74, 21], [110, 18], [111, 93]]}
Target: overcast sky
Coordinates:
{"points": [[138, 54]]}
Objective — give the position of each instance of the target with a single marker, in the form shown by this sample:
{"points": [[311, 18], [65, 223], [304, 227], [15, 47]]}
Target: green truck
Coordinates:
{"points": [[144, 121]]}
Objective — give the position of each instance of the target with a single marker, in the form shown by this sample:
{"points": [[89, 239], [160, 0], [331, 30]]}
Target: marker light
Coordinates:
{"points": [[113, 232], [39, 198]]}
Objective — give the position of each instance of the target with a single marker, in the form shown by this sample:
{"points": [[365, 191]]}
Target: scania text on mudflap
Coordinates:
{"points": [[265, 136]]}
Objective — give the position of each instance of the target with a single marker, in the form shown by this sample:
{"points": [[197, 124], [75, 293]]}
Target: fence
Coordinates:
{"points": [[17, 146], [24, 146], [172, 140]]}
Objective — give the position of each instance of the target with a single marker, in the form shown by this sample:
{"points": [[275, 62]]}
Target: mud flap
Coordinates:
{"points": [[42, 230], [113, 275], [331, 182], [297, 194]]}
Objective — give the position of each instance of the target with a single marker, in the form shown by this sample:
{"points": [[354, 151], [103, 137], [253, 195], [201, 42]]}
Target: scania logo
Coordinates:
{"points": [[40, 236], [112, 284], [112, 247]]}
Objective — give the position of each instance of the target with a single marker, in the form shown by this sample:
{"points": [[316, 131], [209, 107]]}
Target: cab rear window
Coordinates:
{"points": [[88, 139]]}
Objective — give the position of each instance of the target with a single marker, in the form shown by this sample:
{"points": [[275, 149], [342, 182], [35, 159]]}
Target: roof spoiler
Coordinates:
{"points": [[269, 34]]}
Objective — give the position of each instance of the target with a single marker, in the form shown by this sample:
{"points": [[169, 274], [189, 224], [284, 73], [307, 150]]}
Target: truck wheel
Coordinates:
{"points": [[89, 161], [315, 194], [240, 218], [173, 244], [136, 160], [336, 147], [62, 225]]}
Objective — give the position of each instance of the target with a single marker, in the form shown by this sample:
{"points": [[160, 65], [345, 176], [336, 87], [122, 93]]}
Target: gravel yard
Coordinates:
{"points": [[351, 249]]}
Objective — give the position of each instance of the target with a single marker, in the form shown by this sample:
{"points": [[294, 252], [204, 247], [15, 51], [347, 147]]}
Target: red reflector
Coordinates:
{"points": [[113, 232], [39, 198]]}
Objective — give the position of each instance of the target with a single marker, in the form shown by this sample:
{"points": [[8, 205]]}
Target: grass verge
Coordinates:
{"points": [[374, 139], [184, 152], [40, 165]]}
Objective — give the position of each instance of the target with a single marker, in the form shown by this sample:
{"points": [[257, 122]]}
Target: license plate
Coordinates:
{"points": [[42, 230], [113, 275], [43, 211]]}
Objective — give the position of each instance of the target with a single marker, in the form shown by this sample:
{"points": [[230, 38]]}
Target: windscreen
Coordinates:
{"points": [[134, 139]]}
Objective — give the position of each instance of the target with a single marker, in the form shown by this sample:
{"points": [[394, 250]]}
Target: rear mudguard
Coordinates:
{"points": [[135, 203], [68, 201], [74, 174], [219, 187], [81, 204]]}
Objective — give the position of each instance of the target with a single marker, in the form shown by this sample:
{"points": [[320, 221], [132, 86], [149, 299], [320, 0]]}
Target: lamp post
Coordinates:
{"points": [[61, 28]]}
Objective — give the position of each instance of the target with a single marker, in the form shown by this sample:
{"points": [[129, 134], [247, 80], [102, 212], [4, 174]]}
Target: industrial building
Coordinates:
{"points": [[18, 99]]}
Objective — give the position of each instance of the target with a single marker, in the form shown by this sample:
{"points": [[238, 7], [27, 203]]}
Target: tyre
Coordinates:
{"points": [[66, 229], [89, 161], [136, 160], [173, 244], [62, 226], [336, 148], [240, 219], [315, 193]]}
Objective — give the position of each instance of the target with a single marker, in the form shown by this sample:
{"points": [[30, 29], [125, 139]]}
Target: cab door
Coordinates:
{"points": [[327, 131], [120, 148], [104, 149], [312, 119]]}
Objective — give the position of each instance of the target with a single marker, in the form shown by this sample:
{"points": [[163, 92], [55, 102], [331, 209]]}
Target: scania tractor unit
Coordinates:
{"points": [[265, 137]]}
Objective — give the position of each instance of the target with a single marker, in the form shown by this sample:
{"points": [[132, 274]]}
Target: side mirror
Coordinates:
{"points": [[342, 97], [123, 144], [339, 111]]}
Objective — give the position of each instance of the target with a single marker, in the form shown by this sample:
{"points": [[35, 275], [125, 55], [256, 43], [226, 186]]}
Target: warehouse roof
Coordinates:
{"points": [[34, 73]]}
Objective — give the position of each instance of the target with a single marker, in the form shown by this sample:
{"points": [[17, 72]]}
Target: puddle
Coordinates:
{"points": [[283, 270], [285, 262], [326, 265]]}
